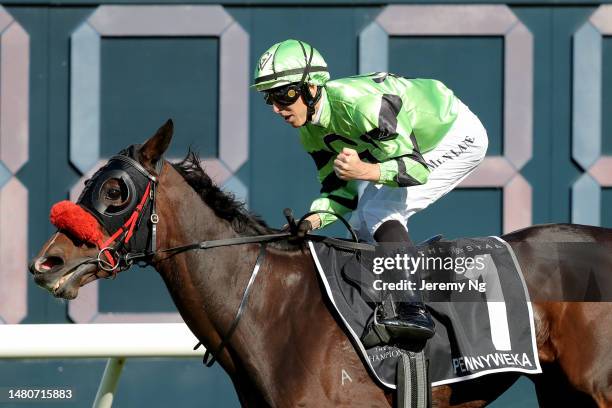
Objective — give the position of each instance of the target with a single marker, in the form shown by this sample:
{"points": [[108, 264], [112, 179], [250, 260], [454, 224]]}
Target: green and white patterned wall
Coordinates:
{"points": [[81, 80]]}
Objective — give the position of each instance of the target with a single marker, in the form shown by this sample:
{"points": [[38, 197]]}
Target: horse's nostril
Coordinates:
{"points": [[46, 263]]}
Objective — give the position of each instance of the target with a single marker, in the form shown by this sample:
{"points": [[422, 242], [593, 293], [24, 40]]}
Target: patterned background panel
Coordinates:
{"points": [[528, 72], [132, 68], [591, 136], [380, 52], [14, 139]]}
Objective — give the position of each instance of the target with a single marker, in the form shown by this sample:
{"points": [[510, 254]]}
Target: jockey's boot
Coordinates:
{"points": [[403, 312]]}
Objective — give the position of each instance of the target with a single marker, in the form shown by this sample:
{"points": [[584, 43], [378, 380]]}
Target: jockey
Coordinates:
{"points": [[384, 146]]}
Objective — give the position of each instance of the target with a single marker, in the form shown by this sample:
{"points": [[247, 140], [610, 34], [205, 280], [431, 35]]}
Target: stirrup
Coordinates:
{"points": [[377, 334], [402, 329]]}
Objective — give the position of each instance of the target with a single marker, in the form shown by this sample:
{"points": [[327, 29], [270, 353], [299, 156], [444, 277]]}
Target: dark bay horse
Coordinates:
{"points": [[288, 351]]}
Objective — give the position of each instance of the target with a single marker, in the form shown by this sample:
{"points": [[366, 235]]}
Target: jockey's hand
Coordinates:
{"points": [[310, 223], [315, 221], [303, 229], [348, 166]]}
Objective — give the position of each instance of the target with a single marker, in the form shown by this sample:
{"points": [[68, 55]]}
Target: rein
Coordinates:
{"points": [[119, 258]]}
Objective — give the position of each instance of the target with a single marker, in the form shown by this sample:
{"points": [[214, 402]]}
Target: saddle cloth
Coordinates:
{"points": [[477, 332]]}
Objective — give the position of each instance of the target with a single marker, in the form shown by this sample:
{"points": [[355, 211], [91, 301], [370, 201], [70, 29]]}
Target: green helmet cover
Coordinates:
{"points": [[285, 62]]}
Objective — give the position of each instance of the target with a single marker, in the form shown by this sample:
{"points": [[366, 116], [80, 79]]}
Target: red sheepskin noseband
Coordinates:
{"points": [[70, 217], [74, 219]]}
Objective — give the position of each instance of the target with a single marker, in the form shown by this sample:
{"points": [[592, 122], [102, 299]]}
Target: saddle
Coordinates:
{"points": [[484, 321]]}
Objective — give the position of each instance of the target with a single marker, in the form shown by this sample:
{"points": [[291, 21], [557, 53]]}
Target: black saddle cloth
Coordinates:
{"points": [[477, 333]]}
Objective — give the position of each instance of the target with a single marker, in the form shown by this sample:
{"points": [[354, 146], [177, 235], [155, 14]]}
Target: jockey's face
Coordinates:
{"points": [[296, 113]]}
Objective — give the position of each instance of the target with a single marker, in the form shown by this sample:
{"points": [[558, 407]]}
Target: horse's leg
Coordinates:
{"points": [[248, 395], [579, 340]]}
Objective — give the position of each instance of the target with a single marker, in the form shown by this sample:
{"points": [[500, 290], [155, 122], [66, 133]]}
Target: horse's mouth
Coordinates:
{"points": [[49, 264], [67, 286]]}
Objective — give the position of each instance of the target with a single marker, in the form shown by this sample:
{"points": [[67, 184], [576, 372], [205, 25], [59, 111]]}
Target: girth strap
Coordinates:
{"points": [[211, 356], [413, 384]]}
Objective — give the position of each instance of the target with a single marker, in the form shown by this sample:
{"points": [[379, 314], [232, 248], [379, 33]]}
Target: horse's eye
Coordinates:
{"points": [[113, 194]]}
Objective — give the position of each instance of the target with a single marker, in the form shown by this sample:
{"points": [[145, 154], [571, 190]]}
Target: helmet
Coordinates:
{"points": [[287, 62]]}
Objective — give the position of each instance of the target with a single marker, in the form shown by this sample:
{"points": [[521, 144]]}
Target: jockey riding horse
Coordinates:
{"points": [[385, 147]]}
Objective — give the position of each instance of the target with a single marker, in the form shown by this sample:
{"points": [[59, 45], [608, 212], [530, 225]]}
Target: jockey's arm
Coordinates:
{"points": [[400, 162], [338, 196]]}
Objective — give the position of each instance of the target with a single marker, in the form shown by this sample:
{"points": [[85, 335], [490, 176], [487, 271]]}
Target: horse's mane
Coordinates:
{"points": [[225, 205]]}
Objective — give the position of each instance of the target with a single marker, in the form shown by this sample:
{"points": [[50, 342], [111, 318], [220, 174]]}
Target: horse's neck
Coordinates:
{"points": [[285, 314], [201, 286], [285, 329], [207, 285]]}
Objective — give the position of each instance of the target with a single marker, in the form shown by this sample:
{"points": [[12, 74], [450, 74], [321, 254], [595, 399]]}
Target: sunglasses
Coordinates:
{"points": [[283, 96]]}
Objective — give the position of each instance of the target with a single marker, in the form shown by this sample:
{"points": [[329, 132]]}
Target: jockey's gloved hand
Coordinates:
{"points": [[304, 228], [310, 223]]}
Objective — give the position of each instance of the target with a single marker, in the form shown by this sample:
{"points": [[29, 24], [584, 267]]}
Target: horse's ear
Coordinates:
{"points": [[154, 148]]}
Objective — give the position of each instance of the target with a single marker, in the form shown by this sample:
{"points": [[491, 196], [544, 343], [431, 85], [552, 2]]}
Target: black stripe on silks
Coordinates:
{"points": [[417, 158], [380, 135], [403, 179], [332, 183], [367, 156], [329, 139], [366, 138], [390, 106], [416, 152], [379, 79], [321, 157], [350, 203]]}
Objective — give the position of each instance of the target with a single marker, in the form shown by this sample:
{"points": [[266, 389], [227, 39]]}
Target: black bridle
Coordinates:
{"points": [[124, 257]]}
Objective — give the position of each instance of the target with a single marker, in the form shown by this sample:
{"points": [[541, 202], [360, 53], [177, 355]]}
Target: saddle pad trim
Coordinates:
{"points": [[356, 340]]}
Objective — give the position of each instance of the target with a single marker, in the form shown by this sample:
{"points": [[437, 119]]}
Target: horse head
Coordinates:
{"points": [[115, 215]]}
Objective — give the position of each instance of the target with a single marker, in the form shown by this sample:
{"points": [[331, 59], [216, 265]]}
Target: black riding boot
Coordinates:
{"points": [[403, 312]]}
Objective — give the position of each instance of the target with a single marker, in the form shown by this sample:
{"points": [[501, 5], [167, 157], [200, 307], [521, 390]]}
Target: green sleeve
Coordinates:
{"points": [[337, 195], [346, 195]]}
